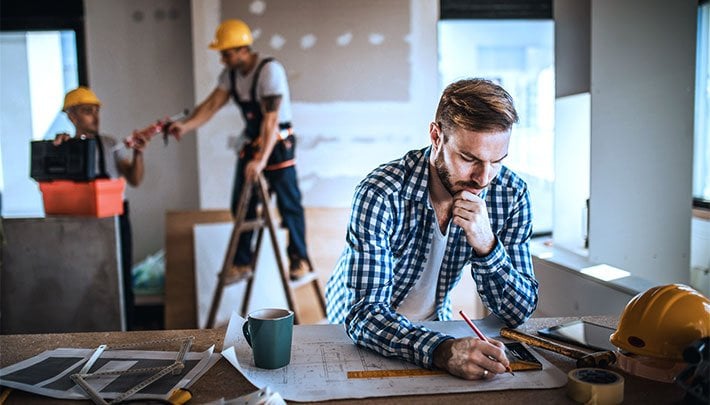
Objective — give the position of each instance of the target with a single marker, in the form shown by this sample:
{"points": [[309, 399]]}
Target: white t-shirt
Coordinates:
{"points": [[420, 303], [272, 82], [111, 156]]}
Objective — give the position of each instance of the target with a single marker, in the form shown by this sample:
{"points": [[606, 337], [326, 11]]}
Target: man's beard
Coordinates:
{"points": [[445, 176]]}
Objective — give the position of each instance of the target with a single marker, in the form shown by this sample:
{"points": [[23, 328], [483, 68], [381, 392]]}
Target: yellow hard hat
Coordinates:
{"points": [[80, 95], [231, 34], [662, 321]]}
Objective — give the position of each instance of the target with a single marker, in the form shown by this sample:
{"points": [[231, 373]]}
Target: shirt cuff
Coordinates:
{"points": [[490, 262], [431, 344]]}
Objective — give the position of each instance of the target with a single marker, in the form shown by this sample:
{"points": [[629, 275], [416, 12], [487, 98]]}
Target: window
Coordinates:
{"points": [[701, 161], [518, 55], [41, 57], [36, 68]]}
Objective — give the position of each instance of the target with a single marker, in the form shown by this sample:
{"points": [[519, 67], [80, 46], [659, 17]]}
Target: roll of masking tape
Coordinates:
{"points": [[595, 386]]}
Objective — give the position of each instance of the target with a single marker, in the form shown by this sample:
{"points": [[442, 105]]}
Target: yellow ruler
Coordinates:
{"points": [[413, 372]]}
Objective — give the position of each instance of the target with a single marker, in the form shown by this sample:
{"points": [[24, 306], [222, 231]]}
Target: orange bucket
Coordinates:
{"points": [[97, 198]]}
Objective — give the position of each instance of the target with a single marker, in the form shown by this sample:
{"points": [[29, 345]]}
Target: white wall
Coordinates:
{"points": [[572, 134], [641, 57], [338, 142], [140, 66], [700, 255], [642, 86], [565, 292]]}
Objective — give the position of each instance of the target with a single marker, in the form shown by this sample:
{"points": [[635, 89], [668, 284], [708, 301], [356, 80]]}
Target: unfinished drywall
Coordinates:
{"points": [[333, 50], [344, 129]]}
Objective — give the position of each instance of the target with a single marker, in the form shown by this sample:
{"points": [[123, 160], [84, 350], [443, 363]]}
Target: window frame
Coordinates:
{"points": [[498, 10], [699, 203], [47, 15]]}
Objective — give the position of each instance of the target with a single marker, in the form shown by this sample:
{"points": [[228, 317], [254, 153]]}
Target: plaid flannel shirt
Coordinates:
{"points": [[388, 240]]}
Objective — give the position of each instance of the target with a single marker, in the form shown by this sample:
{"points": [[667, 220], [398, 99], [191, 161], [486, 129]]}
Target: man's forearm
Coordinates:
{"points": [[393, 336], [268, 137], [201, 115], [506, 287], [136, 169], [442, 354]]}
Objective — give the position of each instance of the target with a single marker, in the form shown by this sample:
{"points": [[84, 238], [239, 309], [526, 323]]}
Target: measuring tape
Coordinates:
{"points": [[595, 386], [414, 372]]}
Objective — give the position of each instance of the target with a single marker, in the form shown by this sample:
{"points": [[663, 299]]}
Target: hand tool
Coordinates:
{"points": [[584, 359], [161, 126]]}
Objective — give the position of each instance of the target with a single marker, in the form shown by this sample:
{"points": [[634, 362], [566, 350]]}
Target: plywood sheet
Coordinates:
{"points": [[180, 292]]}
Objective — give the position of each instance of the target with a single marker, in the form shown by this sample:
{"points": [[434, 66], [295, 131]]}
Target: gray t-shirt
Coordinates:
{"points": [[272, 82]]}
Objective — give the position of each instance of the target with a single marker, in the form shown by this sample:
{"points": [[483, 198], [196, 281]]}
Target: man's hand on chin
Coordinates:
{"points": [[470, 213]]}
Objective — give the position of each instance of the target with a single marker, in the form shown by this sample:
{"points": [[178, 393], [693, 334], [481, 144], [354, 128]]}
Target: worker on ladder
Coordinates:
{"points": [[259, 86]]}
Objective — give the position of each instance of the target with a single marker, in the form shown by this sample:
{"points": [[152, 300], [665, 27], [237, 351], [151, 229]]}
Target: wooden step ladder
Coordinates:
{"points": [[264, 218]]}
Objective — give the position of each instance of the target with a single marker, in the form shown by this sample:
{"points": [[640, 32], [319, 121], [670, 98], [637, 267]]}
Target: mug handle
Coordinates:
{"points": [[245, 330]]}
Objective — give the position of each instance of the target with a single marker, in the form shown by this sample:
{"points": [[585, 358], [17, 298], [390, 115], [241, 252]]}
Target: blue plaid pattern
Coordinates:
{"points": [[388, 240]]}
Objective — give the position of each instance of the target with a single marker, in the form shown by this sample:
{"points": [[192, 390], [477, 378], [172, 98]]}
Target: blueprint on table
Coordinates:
{"points": [[322, 355]]}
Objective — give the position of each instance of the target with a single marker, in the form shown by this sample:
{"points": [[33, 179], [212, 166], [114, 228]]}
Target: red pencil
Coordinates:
{"points": [[479, 334]]}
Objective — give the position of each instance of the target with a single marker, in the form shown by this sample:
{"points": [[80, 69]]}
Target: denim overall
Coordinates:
{"points": [[280, 173]]}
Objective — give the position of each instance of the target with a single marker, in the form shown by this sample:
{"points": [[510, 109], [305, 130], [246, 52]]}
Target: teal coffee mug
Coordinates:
{"points": [[269, 332]]}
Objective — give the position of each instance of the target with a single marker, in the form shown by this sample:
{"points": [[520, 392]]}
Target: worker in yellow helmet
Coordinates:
{"points": [[82, 106], [259, 86]]}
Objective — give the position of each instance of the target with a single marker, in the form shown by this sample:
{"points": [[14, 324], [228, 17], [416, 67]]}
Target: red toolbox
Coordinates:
{"points": [[96, 198]]}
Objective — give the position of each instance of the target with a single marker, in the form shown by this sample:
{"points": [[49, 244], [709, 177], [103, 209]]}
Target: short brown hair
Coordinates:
{"points": [[476, 105]]}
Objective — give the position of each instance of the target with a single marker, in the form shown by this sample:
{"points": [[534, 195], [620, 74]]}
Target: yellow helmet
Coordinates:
{"points": [[80, 95], [662, 321], [231, 34]]}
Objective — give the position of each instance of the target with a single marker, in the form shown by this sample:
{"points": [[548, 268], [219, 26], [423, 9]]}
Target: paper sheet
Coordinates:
{"points": [[321, 356], [48, 373]]}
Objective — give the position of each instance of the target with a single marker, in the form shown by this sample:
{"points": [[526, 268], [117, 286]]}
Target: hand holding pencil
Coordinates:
{"points": [[472, 358], [480, 335]]}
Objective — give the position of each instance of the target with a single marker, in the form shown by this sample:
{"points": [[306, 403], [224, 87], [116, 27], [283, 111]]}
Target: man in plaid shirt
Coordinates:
{"points": [[417, 221]]}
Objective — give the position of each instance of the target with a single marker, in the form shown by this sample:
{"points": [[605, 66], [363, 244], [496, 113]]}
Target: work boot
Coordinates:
{"points": [[238, 272], [298, 268]]}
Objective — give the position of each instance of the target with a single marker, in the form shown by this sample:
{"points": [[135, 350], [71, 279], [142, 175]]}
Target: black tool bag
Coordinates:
{"points": [[73, 159]]}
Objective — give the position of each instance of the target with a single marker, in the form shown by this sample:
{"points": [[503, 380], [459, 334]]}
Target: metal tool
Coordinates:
{"points": [[584, 359], [92, 359], [170, 120], [161, 126], [155, 373], [521, 359]]}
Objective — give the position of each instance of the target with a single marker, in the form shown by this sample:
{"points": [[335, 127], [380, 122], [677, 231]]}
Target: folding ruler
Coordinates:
{"points": [[176, 367]]}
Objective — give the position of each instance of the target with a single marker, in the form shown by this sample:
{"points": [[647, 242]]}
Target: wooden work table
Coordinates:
{"points": [[224, 381]]}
